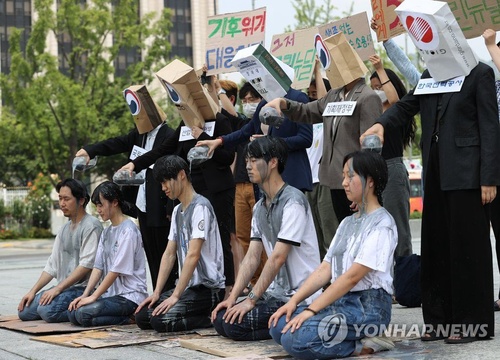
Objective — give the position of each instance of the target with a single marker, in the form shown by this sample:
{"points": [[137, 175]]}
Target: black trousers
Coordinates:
{"points": [[155, 239], [223, 204], [495, 225], [341, 204], [456, 272]]}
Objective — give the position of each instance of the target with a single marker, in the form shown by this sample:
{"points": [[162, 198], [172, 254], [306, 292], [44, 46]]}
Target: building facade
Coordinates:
{"points": [[187, 36]]}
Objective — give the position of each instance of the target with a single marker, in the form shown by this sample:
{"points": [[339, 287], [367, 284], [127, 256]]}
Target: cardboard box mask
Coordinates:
{"points": [[147, 114], [191, 99], [269, 76], [436, 34], [345, 64]]}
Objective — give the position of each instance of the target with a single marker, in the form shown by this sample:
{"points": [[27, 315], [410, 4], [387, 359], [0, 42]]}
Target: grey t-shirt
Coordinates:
{"points": [[288, 220], [74, 247], [198, 221]]}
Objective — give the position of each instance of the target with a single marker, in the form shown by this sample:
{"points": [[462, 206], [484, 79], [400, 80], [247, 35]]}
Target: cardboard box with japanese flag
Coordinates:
{"points": [[147, 114], [437, 35], [269, 76], [190, 97]]}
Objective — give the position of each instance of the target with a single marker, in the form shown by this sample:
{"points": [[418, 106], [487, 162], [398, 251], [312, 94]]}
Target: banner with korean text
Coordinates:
{"points": [[229, 33], [389, 24], [475, 16], [297, 50], [356, 30]]}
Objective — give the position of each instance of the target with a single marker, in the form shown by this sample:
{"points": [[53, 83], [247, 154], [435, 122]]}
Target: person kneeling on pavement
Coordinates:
{"points": [[358, 264]]}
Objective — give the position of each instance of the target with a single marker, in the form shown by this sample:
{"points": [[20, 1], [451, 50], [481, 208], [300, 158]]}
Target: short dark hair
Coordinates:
{"points": [[268, 147], [370, 164], [110, 191], [325, 81], [78, 189], [169, 166], [248, 88]]}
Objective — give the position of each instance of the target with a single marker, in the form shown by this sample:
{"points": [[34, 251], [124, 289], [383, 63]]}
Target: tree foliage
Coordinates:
{"points": [[308, 14], [49, 114]]}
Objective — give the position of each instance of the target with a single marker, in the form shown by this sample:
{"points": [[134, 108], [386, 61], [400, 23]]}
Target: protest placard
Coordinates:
{"points": [[229, 33], [356, 30], [475, 16], [389, 24], [434, 31], [297, 50], [268, 75]]}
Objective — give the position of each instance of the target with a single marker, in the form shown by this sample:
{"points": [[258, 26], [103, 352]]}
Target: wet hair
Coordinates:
{"points": [[370, 164], [78, 189], [248, 88], [110, 191], [410, 132], [268, 147], [169, 166], [230, 87]]}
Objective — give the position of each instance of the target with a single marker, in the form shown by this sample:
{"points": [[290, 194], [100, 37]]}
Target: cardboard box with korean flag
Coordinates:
{"points": [[437, 35], [190, 97], [269, 76]]}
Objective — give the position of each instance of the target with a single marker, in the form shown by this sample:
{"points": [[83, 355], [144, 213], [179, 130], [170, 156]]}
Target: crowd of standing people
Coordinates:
{"points": [[280, 228]]}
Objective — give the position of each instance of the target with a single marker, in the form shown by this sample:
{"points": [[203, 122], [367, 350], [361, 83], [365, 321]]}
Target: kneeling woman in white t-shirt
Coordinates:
{"points": [[120, 266], [358, 265]]}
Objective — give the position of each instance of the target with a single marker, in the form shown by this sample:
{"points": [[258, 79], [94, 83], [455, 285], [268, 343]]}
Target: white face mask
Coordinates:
{"points": [[249, 109], [381, 94]]}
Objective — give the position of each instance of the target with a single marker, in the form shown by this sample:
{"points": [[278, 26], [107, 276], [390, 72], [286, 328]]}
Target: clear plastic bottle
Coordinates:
{"points": [[270, 116], [372, 143]]}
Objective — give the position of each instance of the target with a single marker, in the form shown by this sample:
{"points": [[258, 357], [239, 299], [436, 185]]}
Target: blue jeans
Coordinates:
{"points": [[254, 325], [114, 310], [191, 311], [56, 311], [336, 330]]}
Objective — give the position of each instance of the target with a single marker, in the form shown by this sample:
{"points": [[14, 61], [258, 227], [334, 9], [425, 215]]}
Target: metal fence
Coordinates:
{"points": [[8, 195]]}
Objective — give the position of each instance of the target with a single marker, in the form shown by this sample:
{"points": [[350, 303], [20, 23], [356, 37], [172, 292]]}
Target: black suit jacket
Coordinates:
{"points": [[158, 205], [469, 130], [214, 174]]}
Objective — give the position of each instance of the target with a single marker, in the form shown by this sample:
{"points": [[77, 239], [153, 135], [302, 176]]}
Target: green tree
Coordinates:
{"points": [[308, 14], [54, 105]]}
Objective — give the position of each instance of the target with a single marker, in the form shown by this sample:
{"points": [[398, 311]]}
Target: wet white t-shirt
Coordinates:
{"points": [[369, 240], [121, 251]]}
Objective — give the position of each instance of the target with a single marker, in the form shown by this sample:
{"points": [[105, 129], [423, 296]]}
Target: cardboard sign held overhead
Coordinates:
{"points": [[147, 114], [436, 34], [268, 75], [191, 99], [346, 65], [297, 50], [229, 33], [475, 16], [387, 20], [356, 29]]}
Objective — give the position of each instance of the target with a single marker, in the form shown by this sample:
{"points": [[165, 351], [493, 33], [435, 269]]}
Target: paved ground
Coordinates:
{"points": [[22, 262]]}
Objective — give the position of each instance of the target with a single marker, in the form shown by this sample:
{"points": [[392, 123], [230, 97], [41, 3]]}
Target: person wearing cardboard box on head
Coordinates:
{"points": [[152, 207], [346, 111], [461, 149], [272, 78], [200, 120]]}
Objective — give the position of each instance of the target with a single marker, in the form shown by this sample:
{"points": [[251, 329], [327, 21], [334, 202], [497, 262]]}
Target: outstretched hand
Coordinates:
{"points": [[128, 167]]}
